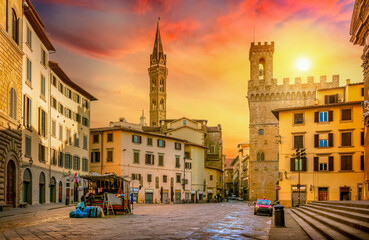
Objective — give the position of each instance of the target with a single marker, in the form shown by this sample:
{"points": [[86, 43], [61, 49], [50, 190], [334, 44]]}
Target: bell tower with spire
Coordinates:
{"points": [[158, 73]]}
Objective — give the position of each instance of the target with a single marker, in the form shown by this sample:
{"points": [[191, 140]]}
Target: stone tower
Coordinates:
{"points": [[265, 95], [158, 73]]}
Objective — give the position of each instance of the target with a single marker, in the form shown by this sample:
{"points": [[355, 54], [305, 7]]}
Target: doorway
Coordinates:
{"points": [[165, 196], [10, 183], [27, 186], [323, 194], [359, 191], [149, 197], [345, 193], [178, 196], [41, 198], [52, 190], [60, 192]]}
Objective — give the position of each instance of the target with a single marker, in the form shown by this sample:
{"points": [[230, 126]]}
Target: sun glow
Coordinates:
{"points": [[303, 64]]}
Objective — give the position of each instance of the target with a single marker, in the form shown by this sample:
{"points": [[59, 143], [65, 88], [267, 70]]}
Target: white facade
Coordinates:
{"points": [[45, 177]]}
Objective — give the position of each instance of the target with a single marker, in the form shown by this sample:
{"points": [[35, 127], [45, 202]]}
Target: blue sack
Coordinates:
{"points": [[80, 214], [81, 205]]}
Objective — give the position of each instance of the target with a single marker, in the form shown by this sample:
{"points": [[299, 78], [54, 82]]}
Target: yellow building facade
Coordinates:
{"points": [[331, 132]]}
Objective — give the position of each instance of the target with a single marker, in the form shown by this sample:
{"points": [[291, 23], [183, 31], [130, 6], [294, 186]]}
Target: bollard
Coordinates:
{"points": [[279, 216]]}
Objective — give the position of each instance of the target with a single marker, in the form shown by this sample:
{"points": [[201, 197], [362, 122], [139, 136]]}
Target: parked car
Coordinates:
{"points": [[263, 206], [233, 197]]}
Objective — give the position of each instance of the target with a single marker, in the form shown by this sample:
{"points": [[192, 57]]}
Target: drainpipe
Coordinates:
{"points": [[47, 81], [102, 151]]}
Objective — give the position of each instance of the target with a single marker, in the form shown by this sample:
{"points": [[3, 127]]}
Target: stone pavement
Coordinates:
{"points": [[228, 220], [291, 231]]}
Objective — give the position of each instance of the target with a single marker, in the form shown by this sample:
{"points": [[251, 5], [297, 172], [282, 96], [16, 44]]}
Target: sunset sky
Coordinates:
{"points": [[105, 47]]}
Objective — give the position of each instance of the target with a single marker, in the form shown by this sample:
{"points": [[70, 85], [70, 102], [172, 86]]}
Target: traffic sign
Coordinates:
{"points": [[278, 187]]}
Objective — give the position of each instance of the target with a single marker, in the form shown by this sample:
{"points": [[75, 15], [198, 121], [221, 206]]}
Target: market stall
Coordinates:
{"points": [[108, 191]]}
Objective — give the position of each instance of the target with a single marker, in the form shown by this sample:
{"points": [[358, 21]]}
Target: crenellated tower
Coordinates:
{"points": [[158, 73]]}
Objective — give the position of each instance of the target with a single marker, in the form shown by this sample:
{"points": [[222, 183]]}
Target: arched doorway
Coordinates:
{"points": [[11, 177], [75, 192], [60, 191], [52, 190], [27, 186], [41, 197]]}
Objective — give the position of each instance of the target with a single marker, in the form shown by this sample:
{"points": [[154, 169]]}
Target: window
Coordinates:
{"points": [[43, 57], [178, 164], [165, 178], [346, 139], [177, 146], [95, 138], [260, 156], [53, 128], [149, 141], [68, 93], [15, 27], [61, 108], [323, 143], [84, 164], [136, 139], [29, 37], [362, 92], [211, 177], [298, 141], [161, 159], [136, 156], [68, 161], [41, 153], [53, 157], [29, 70], [13, 103], [69, 137], [77, 98], [362, 138], [149, 159], [76, 140], [68, 113], [184, 122], [296, 164], [78, 118], [27, 112], [95, 156], [362, 162], [110, 137], [60, 160], [261, 131], [178, 178], [84, 121], [157, 182], [323, 166], [186, 181], [61, 88], [161, 143], [298, 118], [149, 178], [28, 148], [54, 103], [323, 116], [211, 148], [53, 81], [346, 114], [85, 103], [161, 85], [187, 155], [42, 122], [76, 163], [346, 162], [188, 165], [109, 153], [136, 176], [329, 99], [60, 132], [84, 142]]}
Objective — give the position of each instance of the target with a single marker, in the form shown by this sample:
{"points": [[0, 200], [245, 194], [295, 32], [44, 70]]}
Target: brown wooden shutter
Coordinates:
{"points": [[362, 162], [330, 116], [362, 139], [292, 162], [316, 164], [336, 98], [330, 163], [91, 156], [326, 99], [304, 164], [153, 159], [330, 139], [39, 120], [316, 117], [24, 110], [316, 140], [133, 138], [140, 139]]}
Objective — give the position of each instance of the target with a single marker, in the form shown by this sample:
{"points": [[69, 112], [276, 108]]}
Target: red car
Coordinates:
{"points": [[263, 206]]}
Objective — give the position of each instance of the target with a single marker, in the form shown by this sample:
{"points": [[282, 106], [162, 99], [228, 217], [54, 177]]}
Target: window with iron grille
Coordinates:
{"points": [[68, 161], [165, 178], [28, 147], [84, 164], [136, 156], [161, 159], [298, 118], [178, 164], [60, 159]]}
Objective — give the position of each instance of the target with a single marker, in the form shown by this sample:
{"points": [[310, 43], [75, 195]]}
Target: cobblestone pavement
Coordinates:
{"points": [[228, 220]]}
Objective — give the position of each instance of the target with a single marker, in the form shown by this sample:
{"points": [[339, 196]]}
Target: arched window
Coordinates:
{"points": [[262, 157], [157, 182], [262, 68], [13, 103], [154, 84], [258, 157], [161, 104], [161, 85], [14, 26], [154, 104]]}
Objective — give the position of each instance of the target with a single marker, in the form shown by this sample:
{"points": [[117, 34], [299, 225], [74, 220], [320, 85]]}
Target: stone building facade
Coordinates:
{"points": [[10, 103], [359, 32], [264, 95]]}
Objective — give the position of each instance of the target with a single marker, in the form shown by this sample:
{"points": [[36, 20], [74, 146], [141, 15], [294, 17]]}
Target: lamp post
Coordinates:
{"points": [[300, 154]]}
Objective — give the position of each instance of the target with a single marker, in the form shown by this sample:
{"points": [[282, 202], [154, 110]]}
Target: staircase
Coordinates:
{"points": [[334, 220]]}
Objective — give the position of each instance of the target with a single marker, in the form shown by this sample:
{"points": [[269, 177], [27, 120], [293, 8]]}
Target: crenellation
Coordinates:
{"points": [[286, 82], [310, 80], [298, 81]]}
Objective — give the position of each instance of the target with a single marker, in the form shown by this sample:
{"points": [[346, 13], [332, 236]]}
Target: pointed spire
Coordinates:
{"points": [[158, 52], [143, 119]]}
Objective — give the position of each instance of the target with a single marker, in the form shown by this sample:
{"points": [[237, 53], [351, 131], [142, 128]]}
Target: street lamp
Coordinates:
{"points": [[300, 154]]}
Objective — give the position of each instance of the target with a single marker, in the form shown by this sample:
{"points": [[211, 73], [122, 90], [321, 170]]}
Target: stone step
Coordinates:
{"points": [[348, 231], [364, 226], [325, 231], [364, 217], [341, 207], [356, 204], [305, 225]]}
